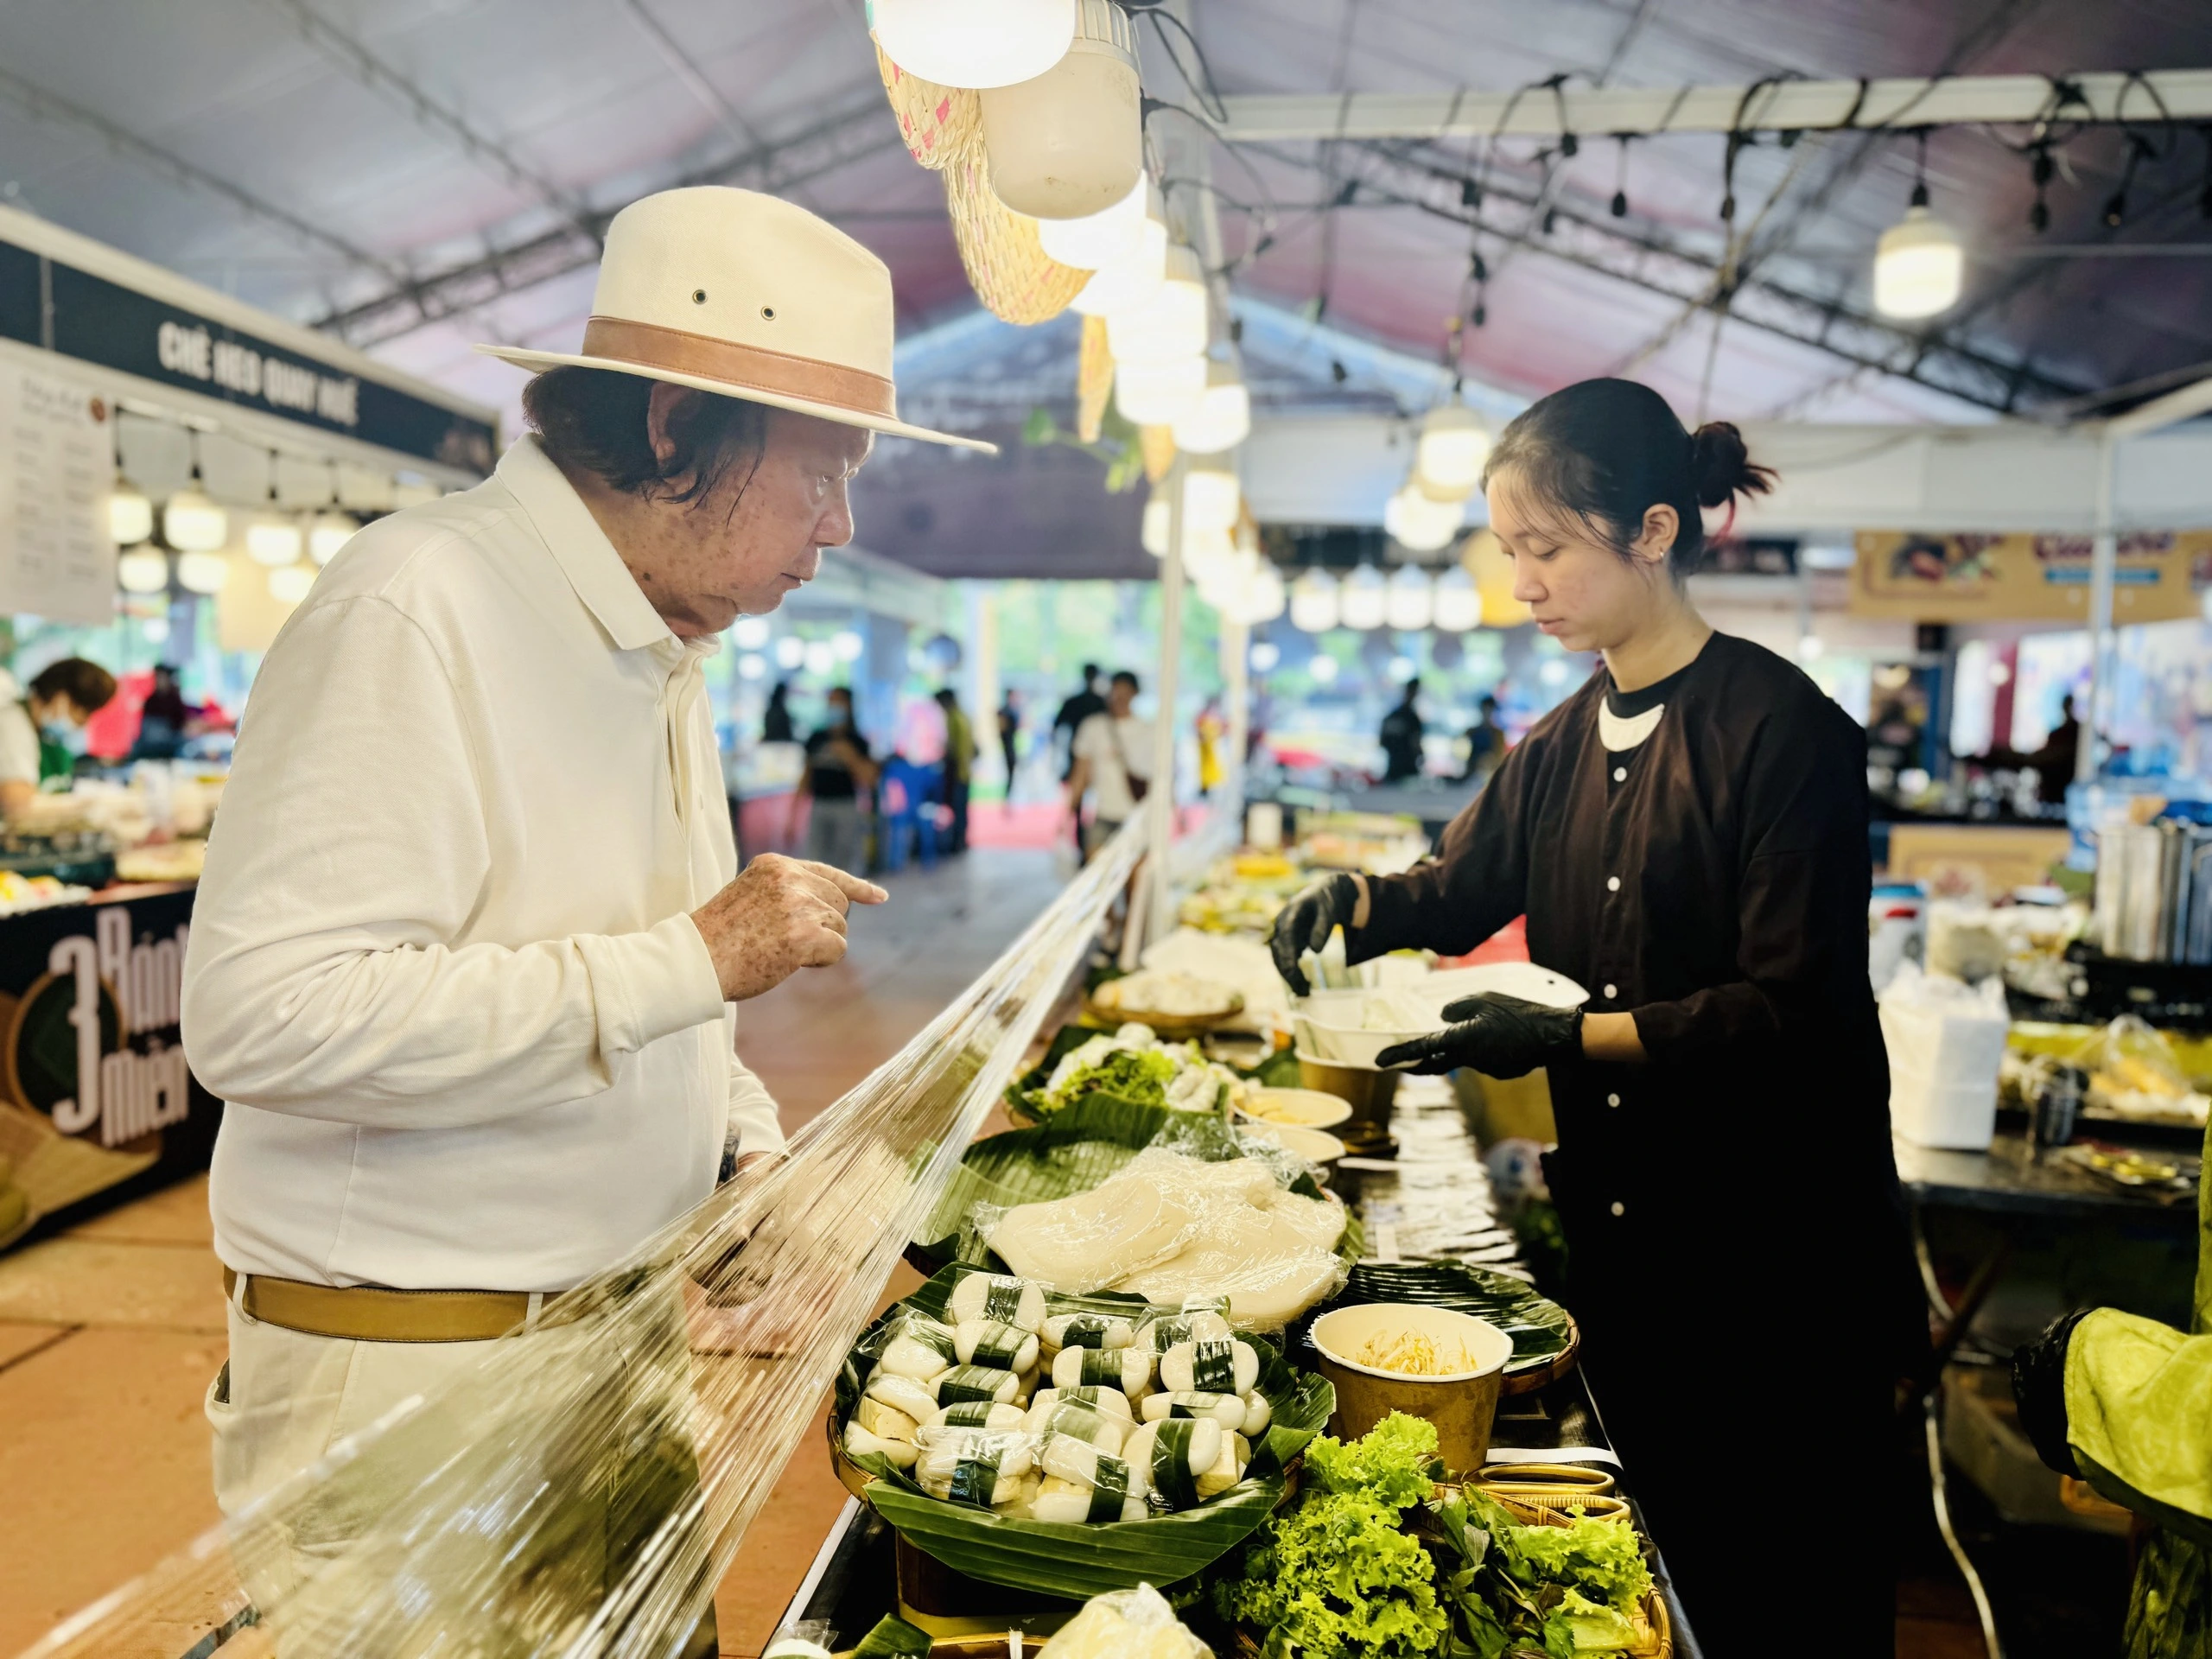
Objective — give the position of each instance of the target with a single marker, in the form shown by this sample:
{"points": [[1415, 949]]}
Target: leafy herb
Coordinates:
{"points": [[1553, 1591], [1141, 1076]]}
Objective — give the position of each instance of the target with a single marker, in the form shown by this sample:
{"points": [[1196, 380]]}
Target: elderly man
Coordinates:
{"points": [[465, 955]]}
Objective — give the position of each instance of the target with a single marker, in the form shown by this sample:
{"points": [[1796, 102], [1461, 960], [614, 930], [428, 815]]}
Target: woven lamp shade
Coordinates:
{"points": [[939, 124], [1157, 445], [1094, 380], [1006, 265]]}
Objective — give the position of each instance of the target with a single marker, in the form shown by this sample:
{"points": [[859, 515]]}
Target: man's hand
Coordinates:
{"points": [[1306, 921], [781, 915], [1497, 1035]]}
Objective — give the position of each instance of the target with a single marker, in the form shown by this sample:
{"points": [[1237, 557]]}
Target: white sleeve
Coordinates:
{"points": [[755, 1124], [349, 850], [18, 745], [1088, 736]]}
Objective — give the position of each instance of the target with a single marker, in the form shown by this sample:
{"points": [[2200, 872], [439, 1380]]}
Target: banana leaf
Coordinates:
{"points": [[1542, 1330], [1080, 1149], [1078, 1561], [894, 1639]]}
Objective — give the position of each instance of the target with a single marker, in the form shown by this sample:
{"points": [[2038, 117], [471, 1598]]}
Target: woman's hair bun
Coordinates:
{"points": [[1723, 467]]}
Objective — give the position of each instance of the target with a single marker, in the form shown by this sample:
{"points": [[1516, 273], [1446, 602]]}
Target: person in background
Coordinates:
{"points": [[1076, 710], [164, 720], [776, 718], [1111, 760], [2053, 764], [1402, 736], [1485, 743], [1211, 729], [960, 753], [39, 730], [839, 771], [1009, 738]]}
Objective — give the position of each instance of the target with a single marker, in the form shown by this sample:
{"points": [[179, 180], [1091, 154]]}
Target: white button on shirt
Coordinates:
{"points": [[1612, 884], [1619, 1209], [1612, 1100], [441, 966], [1620, 775], [1611, 991]]}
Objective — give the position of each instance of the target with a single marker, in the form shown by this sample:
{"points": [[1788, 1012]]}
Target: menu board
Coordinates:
{"points": [[57, 464]]}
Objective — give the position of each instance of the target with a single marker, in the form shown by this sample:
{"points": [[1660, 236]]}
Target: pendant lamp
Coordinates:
{"points": [[1171, 322], [129, 516], [202, 572], [274, 541], [1209, 555], [1131, 280], [1410, 605], [1160, 394], [973, 43], [1102, 239], [1458, 606], [1222, 417], [329, 532], [1314, 602], [1212, 496], [1918, 265], [193, 524], [142, 570], [1153, 533], [1365, 600], [1453, 446], [1416, 522], [289, 584], [1068, 143]]}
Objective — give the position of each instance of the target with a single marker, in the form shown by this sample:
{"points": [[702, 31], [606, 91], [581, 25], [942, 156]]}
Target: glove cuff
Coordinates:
{"points": [[2039, 1390]]}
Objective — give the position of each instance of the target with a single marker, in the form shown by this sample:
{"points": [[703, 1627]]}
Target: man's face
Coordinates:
{"points": [[841, 709], [759, 533], [1119, 696]]}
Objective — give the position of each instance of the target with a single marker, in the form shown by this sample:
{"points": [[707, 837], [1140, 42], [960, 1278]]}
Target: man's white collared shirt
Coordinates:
{"points": [[442, 968]]}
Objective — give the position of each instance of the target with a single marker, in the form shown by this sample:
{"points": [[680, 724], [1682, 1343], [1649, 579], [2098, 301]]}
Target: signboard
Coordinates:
{"points": [[94, 1091], [57, 463], [2019, 577], [52, 304]]}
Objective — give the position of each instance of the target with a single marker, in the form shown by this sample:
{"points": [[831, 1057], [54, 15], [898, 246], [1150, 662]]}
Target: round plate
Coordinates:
{"points": [[1305, 1108]]}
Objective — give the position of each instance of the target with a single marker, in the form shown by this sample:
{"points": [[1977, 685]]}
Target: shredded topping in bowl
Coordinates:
{"points": [[1414, 1353]]}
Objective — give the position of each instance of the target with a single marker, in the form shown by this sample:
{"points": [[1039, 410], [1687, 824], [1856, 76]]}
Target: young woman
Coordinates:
{"points": [[1687, 835]]}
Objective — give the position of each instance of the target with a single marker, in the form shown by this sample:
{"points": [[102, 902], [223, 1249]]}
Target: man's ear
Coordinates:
{"points": [[667, 404]]}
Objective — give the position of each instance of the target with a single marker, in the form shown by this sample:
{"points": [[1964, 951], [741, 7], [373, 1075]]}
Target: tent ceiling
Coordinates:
{"points": [[414, 173]]}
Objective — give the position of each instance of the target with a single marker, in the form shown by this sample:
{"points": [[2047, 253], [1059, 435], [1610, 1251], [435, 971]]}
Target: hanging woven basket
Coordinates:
{"points": [[1094, 380], [939, 124], [1006, 265]]}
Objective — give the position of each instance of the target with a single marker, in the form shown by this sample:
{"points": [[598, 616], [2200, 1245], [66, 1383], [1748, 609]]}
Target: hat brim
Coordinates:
{"points": [[843, 416]]}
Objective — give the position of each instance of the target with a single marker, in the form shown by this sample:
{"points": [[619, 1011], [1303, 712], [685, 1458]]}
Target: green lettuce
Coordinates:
{"points": [[1141, 1076]]}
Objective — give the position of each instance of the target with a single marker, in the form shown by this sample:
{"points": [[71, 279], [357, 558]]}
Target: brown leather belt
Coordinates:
{"points": [[372, 1313]]}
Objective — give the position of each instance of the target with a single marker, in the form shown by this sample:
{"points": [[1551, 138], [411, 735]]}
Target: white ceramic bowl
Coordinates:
{"points": [[1329, 1029], [1314, 1146], [1304, 1108], [1342, 1334]]}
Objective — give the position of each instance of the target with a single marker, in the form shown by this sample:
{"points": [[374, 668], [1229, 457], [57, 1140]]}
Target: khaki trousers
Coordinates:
{"points": [[284, 1398]]}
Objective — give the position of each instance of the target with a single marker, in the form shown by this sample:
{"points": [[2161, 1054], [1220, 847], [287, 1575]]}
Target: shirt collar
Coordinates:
{"points": [[580, 547]]}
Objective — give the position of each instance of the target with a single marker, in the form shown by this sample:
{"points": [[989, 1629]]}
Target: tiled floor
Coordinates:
{"points": [[110, 1332]]}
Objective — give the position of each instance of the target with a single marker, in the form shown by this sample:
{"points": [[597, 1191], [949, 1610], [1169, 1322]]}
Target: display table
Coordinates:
{"points": [[2013, 1179], [97, 1104]]}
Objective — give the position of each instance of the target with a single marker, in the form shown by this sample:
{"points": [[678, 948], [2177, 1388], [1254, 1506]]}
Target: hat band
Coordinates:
{"points": [[742, 368]]}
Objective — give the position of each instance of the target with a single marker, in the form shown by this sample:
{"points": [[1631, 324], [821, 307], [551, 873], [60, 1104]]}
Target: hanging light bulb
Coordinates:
{"points": [[193, 524], [1222, 418], [1415, 522], [1208, 554], [1453, 446], [1171, 323], [1919, 265], [749, 633], [289, 584], [1068, 142], [1264, 599], [202, 572], [1411, 604], [791, 651], [142, 570], [1365, 600], [1131, 280], [1324, 671], [129, 516], [1160, 394], [1458, 606], [849, 645], [1153, 534], [273, 542], [973, 43], [1315, 605], [1103, 238], [1211, 496], [329, 532]]}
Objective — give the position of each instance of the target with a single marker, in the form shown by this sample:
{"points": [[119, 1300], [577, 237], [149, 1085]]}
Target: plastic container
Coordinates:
{"points": [[1946, 1043], [1462, 1405]]}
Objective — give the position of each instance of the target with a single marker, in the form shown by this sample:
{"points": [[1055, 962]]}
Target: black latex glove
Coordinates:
{"points": [[1304, 925], [1499, 1036], [2039, 1390]]}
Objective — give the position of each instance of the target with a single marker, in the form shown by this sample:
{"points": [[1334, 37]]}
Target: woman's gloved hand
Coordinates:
{"points": [[1499, 1036], [2039, 1389], [1306, 922]]}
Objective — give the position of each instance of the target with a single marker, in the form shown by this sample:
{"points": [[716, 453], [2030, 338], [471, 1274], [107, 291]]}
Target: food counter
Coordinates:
{"points": [[97, 1104]]}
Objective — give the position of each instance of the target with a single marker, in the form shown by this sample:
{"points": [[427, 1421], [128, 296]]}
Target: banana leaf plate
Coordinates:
{"points": [[1545, 1340], [1078, 1561]]}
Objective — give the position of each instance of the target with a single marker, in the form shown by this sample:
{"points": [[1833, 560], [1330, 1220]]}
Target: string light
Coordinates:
{"points": [[129, 516], [1316, 602], [1919, 265]]}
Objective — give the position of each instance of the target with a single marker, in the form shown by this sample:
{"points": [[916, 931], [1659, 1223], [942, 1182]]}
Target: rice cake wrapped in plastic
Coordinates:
{"points": [[1129, 1370], [1227, 1409], [1112, 1402], [1218, 1367], [1000, 1297], [1077, 1419], [881, 1430], [1197, 1322], [1082, 1482], [1171, 1454], [983, 1382], [918, 1400], [918, 1347], [1085, 1330], [990, 1341], [1228, 1468], [976, 1413], [981, 1467], [1125, 1624]]}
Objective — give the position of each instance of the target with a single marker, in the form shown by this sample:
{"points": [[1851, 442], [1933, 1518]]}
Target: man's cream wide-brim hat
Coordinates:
{"points": [[739, 294]]}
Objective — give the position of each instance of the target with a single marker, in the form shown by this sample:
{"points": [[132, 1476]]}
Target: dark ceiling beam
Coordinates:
{"points": [[1648, 260], [861, 126]]}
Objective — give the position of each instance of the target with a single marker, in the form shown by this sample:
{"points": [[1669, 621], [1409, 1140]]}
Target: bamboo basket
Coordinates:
{"points": [[939, 124], [1006, 265]]}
